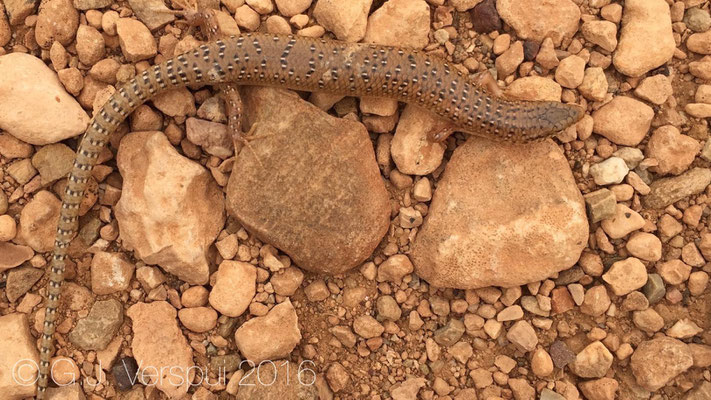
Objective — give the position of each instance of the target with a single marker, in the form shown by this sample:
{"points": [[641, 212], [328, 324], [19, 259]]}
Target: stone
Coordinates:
{"points": [[402, 23], [646, 38], [698, 280], [19, 359], [175, 102], [483, 190], [38, 222], [557, 19], [337, 377], [601, 204], [157, 178], [96, 330], [411, 148], [485, 17], [152, 13], [198, 319], [287, 380], [623, 120], [328, 210], [11, 147], [110, 273], [570, 72], [21, 171], [601, 33], [656, 362], [645, 246], [655, 89], [73, 391], [648, 320], [541, 363], [450, 333], [8, 228], [654, 288], [507, 63], [388, 309], [626, 276], [684, 329], [12, 255], [612, 170], [674, 151], [57, 20], [53, 162], [523, 336], [561, 354], [34, 106], [18, 10], [347, 20], [367, 327], [289, 8], [64, 370], [234, 288], [211, 136], [674, 272], [669, 190], [90, 45], [247, 18], [624, 222], [699, 43], [697, 20], [698, 110], [599, 389], [593, 361], [137, 42], [286, 282], [596, 301], [702, 68], [594, 85], [20, 281], [534, 88], [317, 291], [701, 392], [158, 344], [269, 337], [408, 389]]}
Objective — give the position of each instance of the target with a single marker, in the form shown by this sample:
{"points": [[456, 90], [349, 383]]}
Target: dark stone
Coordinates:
{"points": [[279, 379], [654, 289], [220, 365], [96, 330], [485, 17], [561, 354], [569, 276], [530, 50], [20, 280], [125, 372]]}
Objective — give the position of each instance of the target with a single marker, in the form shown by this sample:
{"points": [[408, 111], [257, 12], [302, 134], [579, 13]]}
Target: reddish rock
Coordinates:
{"points": [[311, 186]]}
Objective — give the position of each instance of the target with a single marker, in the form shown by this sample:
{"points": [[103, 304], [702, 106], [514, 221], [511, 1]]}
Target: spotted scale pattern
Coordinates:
{"points": [[301, 64]]}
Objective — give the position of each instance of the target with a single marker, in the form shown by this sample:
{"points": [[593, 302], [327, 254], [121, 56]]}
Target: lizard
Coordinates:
{"points": [[304, 64]]}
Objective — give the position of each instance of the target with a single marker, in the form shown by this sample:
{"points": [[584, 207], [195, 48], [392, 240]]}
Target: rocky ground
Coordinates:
{"points": [[341, 251]]}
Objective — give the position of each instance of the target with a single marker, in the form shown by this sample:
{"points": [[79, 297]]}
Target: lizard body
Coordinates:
{"points": [[302, 64]]}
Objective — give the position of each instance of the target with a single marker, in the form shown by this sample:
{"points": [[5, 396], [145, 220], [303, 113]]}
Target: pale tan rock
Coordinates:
{"points": [[402, 23], [570, 72], [175, 102], [90, 45], [327, 210], [8, 228], [702, 68], [541, 363], [624, 120], [281, 378], [234, 288], [153, 13], [34, 107], [289, 8], [69, 392], [557, 19], [684, 329], [19, 354], [159, 184], [594, 85], [211, 136], [38, 221], [347, 20], [626, 276], [411, 148], [699, 42], [534, 88], [12, 255], [674, 152], [57, 20], [698, 110], [270, 337], [247, 18], [593, 361], [64, 370], [655, 89], [159, 343], [648, 320], [261, 6], [601, 33], [137, 42], [507, 63], [596, 301], [644, 245], [198, 319], [110, 273], [523, 336], [656, 362], [623, 222], [646, 39], [474, 238]]}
